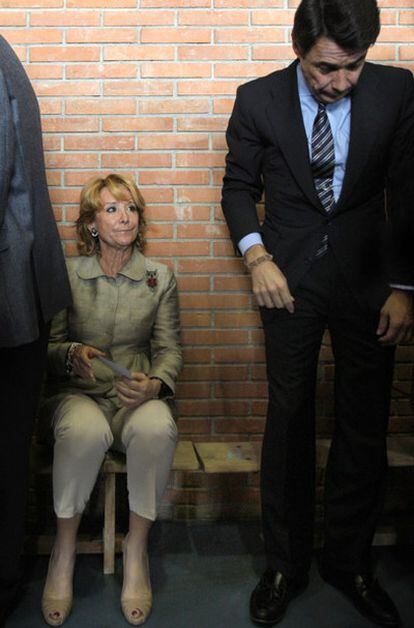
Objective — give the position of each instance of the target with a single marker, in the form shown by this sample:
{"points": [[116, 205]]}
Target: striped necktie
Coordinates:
{"points": [[323, 164]]}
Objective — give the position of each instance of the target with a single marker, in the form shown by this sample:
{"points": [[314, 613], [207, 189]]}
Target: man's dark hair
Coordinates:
{"points": [[352, 24]]}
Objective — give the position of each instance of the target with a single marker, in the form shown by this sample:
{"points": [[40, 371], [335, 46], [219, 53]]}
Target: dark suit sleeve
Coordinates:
{"points": [[6, 146], [242, 183], [400, 191]]}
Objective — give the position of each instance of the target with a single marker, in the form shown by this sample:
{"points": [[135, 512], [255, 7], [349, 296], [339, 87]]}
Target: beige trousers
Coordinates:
{"points": [[85, 429]]}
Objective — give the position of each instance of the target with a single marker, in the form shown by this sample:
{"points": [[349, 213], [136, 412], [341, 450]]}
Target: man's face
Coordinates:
{"points": [[330, 71]]}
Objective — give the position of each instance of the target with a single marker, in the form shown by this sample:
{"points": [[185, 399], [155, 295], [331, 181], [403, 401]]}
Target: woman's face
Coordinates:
{"points": [[117, 222]]}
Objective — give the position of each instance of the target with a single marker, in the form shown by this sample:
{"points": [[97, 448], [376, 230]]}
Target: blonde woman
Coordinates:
{"points": [[124, 309]]}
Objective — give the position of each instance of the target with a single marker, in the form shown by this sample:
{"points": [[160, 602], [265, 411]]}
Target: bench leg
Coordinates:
{"points": [[109, 524]]}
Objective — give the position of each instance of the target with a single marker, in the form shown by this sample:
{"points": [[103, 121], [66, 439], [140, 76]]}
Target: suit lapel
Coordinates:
{"points": [[364, 122], [285, 117]]}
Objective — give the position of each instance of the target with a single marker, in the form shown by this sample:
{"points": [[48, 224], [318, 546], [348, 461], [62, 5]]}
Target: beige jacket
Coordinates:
{"points": [[133, 317]]}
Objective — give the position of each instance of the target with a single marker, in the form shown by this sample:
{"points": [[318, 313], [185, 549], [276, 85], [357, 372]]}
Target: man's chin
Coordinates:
{"points": [[327, 99]]}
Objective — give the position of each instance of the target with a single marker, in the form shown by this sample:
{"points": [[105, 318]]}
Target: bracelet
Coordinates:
{"points": [[266, 257], [69, 356]]}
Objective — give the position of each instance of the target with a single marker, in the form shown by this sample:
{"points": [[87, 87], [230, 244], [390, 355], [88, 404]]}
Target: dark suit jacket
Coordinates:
{"points": [[33, 278], [371, 228]]}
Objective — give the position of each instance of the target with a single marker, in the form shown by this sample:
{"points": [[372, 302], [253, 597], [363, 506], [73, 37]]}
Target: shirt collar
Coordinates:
{"points": [[90, 268]]}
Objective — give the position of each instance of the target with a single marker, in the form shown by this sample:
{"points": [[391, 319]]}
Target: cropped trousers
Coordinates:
{"points": [[84, 430]]}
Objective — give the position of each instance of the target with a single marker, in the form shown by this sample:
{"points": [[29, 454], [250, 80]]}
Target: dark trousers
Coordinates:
{"points": [[21, 377], [355, 474]]}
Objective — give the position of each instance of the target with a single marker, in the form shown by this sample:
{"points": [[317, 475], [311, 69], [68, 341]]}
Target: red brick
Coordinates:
{"points": [[195, 53], [138, 18], [70, 125], [174, 141], [193, 284], [41, 71], [250, 35], [101, 35], [165, 177], [67, 88], [176, 70], [111, 142], [64, 53], [191, 88], [139, 53], [213, 18], [138, 88], [64, 18], [136, 160], [272, 17], [137, 123], [175, 35], [34, 36], [12, 18], [99, 106], [396, 34], [98, 70], [202, 124], [200, 160], [201, 231], [174, 105]]}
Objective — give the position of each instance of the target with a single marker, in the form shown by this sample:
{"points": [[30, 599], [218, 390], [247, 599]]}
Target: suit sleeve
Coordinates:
{"points": [[400, 191], [242, 183], [6, 146], [166, 358]]}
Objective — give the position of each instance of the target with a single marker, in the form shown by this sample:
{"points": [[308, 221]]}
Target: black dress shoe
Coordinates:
{"points": [[368, 596], [270, 599]]}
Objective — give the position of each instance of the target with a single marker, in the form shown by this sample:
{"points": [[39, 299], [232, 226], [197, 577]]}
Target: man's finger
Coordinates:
{"points": [[382, 324]]}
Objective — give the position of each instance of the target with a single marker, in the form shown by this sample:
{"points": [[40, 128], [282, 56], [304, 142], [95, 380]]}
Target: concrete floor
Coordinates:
{"points": [[202, 576]]}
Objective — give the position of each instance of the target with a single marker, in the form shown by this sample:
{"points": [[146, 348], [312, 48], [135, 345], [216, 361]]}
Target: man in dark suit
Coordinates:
{"points": [[330, 141], [33, 287]]}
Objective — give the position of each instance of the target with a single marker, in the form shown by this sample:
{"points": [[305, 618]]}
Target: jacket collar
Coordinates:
{"points": [[134, 269]]}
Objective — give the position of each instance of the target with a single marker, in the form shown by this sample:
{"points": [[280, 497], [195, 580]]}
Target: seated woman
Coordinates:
{"points": [[124, 308]]}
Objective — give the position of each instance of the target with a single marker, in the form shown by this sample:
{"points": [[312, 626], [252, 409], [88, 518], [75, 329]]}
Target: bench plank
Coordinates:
{"points": [[228, 457]]}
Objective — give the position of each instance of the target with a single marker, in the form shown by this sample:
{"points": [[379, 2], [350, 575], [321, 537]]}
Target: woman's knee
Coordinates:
{"points": [[152, 424], [81, 425]]}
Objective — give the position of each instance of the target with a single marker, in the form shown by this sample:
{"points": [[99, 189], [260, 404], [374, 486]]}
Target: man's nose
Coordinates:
{"points": [[341, 82]]}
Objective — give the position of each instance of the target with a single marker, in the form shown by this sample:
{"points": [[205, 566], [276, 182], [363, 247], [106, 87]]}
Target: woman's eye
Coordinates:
{"points": [[132, 208], [111, 209]]}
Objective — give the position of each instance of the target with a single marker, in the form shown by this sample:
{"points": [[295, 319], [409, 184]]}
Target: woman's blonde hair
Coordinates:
{"points": [[90, 203]]}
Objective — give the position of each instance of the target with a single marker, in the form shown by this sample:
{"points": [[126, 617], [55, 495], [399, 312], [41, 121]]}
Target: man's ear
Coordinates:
{"points": [[296, 49]]}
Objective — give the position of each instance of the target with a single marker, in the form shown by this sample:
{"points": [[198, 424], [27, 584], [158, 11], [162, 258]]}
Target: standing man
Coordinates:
{"points": [[33, 287], [330, 139]]}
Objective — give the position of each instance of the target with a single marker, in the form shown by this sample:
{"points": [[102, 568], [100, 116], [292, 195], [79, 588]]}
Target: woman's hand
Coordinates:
{"points": [[133, 392], [81, 361]]}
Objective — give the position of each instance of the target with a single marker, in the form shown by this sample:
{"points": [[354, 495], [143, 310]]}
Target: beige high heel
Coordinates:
{"points": [[55, 610], [136, 609]]}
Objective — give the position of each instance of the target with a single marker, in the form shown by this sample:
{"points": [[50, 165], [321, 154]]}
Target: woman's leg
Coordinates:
{"points": [[148, 435], [82, 436]]}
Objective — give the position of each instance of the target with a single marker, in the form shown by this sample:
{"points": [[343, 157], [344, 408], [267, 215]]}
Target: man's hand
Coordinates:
{"points": [[133, 392], [268, 282], [396, 318]]}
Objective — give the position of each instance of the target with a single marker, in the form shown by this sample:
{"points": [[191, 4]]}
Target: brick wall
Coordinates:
{"points": [[145, 87]]}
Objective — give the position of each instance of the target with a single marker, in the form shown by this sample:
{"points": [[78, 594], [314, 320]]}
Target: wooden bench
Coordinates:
{"points": [[207, 457]]}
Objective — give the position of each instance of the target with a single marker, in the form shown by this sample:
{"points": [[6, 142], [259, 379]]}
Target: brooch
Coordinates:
{"points": [[152, 280]]}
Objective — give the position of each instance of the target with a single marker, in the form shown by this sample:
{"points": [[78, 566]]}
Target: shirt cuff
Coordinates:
{"points": [[248, 241], [399, 286]]}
